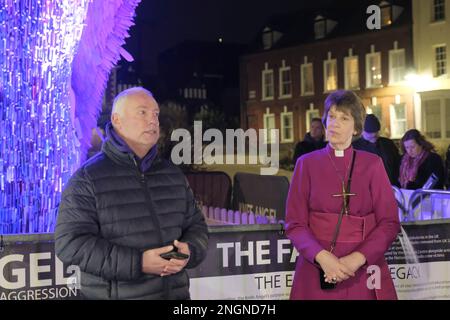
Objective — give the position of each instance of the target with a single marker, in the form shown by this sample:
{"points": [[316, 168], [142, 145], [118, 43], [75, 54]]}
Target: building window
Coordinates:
{"points": [[330, 75], [447, 118], [267, 84], [438, 10], [320, 27], [285, 82], [307, 83], [377, 111], [270, 37], [269, 125], [436, 118], [287, 127], [311, 114], [373, 70], [396, 66], [440, 54], [351, 73], [386, 13], [432, 118], [398, 120]]}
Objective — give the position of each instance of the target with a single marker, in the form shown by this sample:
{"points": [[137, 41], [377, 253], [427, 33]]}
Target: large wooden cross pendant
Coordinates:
{"points": [[344, 196]]}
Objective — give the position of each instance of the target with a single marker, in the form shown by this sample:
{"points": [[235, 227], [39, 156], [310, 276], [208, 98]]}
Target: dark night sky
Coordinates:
{"points": [[165, 23]]}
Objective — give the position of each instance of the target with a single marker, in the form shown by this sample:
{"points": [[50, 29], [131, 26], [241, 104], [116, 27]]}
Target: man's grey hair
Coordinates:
{"points": [[117, 104]]}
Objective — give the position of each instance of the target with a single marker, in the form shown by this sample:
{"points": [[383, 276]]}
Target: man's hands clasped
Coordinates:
{"points": [[152, 263]]}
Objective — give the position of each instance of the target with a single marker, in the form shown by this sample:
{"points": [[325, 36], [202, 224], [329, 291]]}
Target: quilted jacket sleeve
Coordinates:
{"points": [[195, 230], [78, 240]]}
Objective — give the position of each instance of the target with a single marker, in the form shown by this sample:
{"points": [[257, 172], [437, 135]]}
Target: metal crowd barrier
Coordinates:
{"points": [[422, 204]]}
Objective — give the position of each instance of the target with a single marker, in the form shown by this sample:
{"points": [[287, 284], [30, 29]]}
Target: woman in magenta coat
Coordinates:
{"points": [[322, 197]]}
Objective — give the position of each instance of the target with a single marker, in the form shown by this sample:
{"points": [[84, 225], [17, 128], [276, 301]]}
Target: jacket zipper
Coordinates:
{"points": [[154, 218]]}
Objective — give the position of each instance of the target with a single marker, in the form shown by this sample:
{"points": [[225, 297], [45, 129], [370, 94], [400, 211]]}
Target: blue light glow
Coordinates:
{"points": [[38, 146]]}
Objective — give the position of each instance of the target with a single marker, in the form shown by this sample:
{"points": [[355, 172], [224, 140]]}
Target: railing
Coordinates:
{"points": [[422, 204]]}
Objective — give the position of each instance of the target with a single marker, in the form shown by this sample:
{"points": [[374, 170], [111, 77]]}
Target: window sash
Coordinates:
{"points": [[330, 75], [307, 79], [351, 73], [268, 84], [285, 82], [398, 120], [269, 124], [373, 70], [310, 114], [432, 118], [287, 132], [438, 10], [397, 65], [441, 60]]}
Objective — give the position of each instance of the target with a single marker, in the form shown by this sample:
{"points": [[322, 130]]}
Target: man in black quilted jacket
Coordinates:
{"points": [[125, 207]]}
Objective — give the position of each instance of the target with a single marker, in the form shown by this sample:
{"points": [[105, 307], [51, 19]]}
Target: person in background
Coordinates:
{"points": [[419, 162], [371, 141], [125, 208], [314, 140]]}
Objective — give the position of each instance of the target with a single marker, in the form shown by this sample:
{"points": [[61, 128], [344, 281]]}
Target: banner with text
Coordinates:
{"points": [[239, 265]]}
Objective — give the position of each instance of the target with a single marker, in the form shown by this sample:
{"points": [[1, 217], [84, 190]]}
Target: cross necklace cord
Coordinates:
{"points": [[345, 193]]}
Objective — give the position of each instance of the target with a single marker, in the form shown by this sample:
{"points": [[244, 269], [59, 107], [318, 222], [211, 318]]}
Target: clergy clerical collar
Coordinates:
{"points": [[339, 153]]}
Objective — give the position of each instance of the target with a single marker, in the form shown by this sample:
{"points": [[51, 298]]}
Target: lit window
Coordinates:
{"points": [[438, 10], [307, 82], [396, 65], [267, 85], [285, 82], [330, 75], [373, 70], [287, 128], [441, 60], [351, 73]]}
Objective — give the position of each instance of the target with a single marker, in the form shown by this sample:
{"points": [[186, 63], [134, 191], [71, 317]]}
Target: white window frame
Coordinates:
{"points": [[369, 83], [281, 83], [310, 114], [433, 11], [394, 121], [445, 61], [265, 97], [391, 69], [267, 134], [440, 117], [346, 73], [289, 114], [303, 75], [444, 114], [325, 66]]}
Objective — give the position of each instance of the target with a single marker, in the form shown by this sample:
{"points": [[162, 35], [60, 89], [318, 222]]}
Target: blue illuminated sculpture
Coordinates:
{"points": [[55, 57]]}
